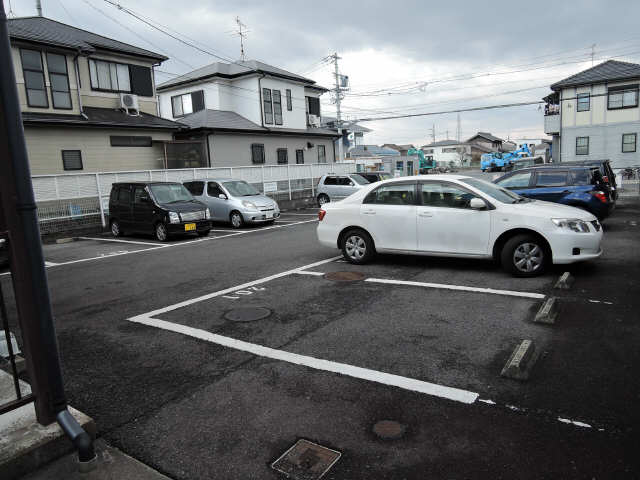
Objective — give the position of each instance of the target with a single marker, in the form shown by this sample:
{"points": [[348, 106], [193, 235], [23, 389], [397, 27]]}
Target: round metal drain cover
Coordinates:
{"points": [[389, 430], [247, 314], [344, 276]]}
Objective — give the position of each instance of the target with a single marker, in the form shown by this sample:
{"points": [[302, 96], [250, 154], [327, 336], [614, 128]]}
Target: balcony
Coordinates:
{"points": [[552, 123]]}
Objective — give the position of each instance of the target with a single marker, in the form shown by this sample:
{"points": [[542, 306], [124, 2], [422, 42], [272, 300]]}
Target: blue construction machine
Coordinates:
{"points": [[502, 160]]}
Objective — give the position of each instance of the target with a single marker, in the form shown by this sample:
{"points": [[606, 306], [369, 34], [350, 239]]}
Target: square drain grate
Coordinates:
{"points": [[306, 460]]}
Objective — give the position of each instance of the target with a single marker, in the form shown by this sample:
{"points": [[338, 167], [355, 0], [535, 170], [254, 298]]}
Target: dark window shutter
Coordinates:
{"points": [[72, 159], [197, 100], [141, 81]]}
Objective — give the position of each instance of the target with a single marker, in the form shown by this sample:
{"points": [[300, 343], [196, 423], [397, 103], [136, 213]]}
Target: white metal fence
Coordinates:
{"points": [[75, 201]]}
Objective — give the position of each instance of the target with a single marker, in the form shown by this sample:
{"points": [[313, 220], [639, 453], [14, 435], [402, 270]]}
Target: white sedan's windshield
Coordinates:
{"points": [[498, 193]]}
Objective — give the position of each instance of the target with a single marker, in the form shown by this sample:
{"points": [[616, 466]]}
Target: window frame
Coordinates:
{"points": [[386, 185], [621, 89], [66, 75], [97, 88], [180, 96], [64, 166], [451, 184], [267, 102], [301, 152], [577, 146], [580, 96], [289, 99], [553, 170], [114, 141], [635, 142], [286, 156], [214, 185], [324, 154], [277, 107], [261, 145], [44, 78]]}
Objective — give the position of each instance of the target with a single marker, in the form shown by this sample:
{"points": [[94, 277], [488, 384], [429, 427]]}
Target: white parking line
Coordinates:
{"points": [[444, 286], [304, 272], [119, 240], [405, 383]]}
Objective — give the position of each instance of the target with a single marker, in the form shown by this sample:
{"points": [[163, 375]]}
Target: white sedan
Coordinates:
{"points": [[458, 216]]}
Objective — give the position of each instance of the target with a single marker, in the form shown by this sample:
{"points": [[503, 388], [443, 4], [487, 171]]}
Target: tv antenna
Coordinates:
{"points": [[242, 33]]}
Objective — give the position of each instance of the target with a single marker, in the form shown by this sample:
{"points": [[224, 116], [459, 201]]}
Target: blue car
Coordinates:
{"points": [[577, 186]]}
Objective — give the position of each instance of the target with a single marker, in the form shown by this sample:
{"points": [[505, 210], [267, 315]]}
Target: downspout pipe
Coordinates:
{"points": [[77, 69], [262, 75], [81, 440]]}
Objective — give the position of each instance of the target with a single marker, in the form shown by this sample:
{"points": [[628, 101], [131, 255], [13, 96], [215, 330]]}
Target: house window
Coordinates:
{"points": [[430, 150], [187, 103], [283, 156], [109, 76], [59, 80], [584, 102], [449, 150], [399, 165], [277, 107], [582, 145], [629, 142], [322, 154], [34, 78], [72, 159], [313, 106], [267, 106], [289, 103], [299, 156], [625, 96], [130, 141], [257, 153]]}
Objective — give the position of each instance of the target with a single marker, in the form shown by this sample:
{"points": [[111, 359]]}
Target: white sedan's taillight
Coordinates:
{"points": [[321, 215]]}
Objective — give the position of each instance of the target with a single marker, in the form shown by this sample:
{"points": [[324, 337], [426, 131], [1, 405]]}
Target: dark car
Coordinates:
{"points": [[577, 186], [159, 208], [375, 176], [608, 176]]}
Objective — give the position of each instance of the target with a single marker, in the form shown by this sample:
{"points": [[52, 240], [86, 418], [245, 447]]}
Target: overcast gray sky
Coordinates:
{"points": [[400, 55]]}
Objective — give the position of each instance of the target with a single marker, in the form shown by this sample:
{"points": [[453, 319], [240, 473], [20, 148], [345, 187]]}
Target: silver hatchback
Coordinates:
{"points": [[332, 188], [234, 201]]}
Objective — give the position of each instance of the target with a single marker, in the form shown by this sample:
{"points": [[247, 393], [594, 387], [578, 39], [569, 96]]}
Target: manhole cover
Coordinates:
{"points": [[389, 430], [247, 314], [344, 276], [306, 460]]}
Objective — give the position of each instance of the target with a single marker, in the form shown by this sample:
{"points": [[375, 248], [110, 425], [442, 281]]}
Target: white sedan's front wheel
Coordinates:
{"points": [[524, 256]]}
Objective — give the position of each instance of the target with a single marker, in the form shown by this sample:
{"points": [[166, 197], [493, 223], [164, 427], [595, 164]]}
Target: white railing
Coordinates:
{"points": [[83, 198]]}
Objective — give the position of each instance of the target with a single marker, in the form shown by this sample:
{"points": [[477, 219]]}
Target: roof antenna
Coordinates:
{"points": [[39, 7], [241, 33]]}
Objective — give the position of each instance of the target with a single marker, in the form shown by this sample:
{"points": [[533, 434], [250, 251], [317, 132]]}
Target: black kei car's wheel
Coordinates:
{"points": [[524, 256], [116, 230], [162, 235], [357, 247]]}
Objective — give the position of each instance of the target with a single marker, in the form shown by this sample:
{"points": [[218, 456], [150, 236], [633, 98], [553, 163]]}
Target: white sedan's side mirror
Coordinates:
{"points": [[222, 196], [477, 203]]}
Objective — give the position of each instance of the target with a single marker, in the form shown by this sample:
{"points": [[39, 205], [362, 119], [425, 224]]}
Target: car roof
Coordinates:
{"points": [[214, 179], [145, 183], [548, 166]]}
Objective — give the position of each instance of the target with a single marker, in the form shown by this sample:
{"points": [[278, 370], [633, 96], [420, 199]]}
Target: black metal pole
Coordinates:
{"points": [[26, 258]]}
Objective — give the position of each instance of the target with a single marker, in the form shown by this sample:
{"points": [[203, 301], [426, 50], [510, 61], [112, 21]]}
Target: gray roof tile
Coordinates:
{"points": [[102, 117], [50, 32], [605, 72]]}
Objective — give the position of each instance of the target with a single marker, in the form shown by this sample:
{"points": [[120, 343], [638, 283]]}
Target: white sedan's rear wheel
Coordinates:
{"points": [[357, 247]]}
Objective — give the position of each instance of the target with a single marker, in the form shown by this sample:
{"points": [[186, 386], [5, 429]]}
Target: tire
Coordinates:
{"points": [[322, 199], [357, 247], [204, 233], [116, 230], [524, 256], [161, 233], [236, 219]]}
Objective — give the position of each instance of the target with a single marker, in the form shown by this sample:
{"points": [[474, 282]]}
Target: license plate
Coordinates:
{"points": [[269, 214], [189, 227]]}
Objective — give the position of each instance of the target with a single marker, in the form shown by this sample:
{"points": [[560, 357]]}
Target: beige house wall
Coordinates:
{"points": [[45, 145]]}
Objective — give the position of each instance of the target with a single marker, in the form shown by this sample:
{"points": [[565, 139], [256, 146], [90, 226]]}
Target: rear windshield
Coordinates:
{"points": [[581, 177], [238, 188], [174, 192], [359, 179]]}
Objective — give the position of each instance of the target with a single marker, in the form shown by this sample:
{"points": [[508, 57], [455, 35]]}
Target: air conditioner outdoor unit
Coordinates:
{"points": [[129, 103], [314, 120]]}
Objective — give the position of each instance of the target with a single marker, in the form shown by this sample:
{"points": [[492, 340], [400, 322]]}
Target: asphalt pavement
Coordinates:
{"points": [[159, 346]]}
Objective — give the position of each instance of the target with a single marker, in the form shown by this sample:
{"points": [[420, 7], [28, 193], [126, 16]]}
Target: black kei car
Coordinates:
{"points": [[159, 208]]}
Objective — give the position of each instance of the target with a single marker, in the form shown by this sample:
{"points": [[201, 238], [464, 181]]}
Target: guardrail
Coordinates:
{"points": [[75, 201]]}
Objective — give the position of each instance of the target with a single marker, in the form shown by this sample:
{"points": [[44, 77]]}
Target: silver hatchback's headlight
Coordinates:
{"points": [[249, 204], [174, 217], [573, 224]]}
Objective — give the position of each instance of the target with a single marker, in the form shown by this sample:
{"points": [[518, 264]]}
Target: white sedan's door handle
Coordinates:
{"points": [[369, 212], [425, 214]]}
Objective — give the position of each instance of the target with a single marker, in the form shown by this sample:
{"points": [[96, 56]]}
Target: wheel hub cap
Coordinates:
{"points": [[355, 247], [528, 257]]}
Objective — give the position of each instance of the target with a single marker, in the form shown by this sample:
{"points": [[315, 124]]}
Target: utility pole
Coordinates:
{"points": [[458, 130], [39, 7], [447, 137], [433, 133], [593, 53], [338, 92], [241, 34]]}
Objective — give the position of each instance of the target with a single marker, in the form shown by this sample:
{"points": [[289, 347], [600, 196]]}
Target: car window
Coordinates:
{"points": [[139, 193], [551, 178], [331, 181], [213, 189], [436, 194], [124, 195], [343, 181], [495, 191], [517, 180], [240, 188], [169, 193], [392, 194], [195, 188], [580, 177], [359, 179]]}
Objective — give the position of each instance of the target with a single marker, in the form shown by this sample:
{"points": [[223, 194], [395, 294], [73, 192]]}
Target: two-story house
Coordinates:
{"points": [[461, 154], [594, 115], [249, 113], [88, 102]]}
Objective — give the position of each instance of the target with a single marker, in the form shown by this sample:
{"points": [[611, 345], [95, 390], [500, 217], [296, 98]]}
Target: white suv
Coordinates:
{"points": [[458, 216]]}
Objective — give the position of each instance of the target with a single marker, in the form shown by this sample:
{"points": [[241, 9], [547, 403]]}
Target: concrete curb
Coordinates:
{"points": [[565, 281], [548, 311], [521, 361], [66, 240]]}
